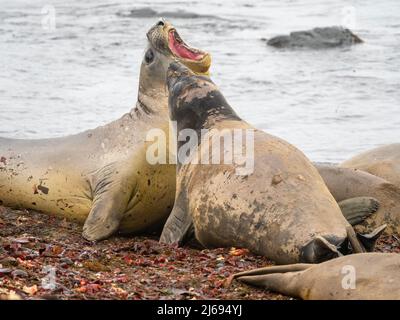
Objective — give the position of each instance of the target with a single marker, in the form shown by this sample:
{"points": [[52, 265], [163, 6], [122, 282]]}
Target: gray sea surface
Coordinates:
{"points": [[84, 73]]}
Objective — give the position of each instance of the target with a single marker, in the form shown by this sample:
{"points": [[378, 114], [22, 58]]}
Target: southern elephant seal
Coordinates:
{"points": [[362, 276], [345, 184], [383, 162], [317, 38], [101, 176], [281, 209]]}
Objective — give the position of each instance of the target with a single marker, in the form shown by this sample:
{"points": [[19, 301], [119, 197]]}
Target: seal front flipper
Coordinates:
{"points": [[112, 189], [357, 209], [179, 227]]}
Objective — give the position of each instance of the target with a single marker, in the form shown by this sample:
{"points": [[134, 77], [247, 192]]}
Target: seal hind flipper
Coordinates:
{"points": [[357, 209], [179, 226], [369, 240], [324, 281], [277, 278], [112, 189], [274, 269], [271, 282]]}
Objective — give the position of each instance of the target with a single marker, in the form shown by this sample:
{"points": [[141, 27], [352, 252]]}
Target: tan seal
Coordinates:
{"points": [[101, 177], [348, 185], [281, 209], [383, 162], [365, 276]]}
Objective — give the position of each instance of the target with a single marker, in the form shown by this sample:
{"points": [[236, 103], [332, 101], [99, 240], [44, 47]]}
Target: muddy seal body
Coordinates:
{"points": [[101, 177], [365, 276], [281, 209]]}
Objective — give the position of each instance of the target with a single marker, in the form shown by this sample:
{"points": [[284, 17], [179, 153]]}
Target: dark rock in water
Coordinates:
{"points": [[140, 13], [185, 15], [317, 38], [150, 13]]}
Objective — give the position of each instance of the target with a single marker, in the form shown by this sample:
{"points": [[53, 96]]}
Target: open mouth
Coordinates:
{"points": [[181, 50]]}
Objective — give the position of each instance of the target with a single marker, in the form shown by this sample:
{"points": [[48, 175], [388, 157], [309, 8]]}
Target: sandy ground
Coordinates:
{"points": [[43, 257]]}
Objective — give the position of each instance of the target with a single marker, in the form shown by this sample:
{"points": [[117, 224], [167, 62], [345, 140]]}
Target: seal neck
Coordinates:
{"points": [[201, 113], [150, 105]]}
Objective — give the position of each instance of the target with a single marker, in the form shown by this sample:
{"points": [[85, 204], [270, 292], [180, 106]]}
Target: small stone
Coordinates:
{"points": [[94, 266], [4, 271], [19, 274], [67, 261], [21, 240], [9, 262], [30, 290], [301, 178], [276, 179], [13, 296]]}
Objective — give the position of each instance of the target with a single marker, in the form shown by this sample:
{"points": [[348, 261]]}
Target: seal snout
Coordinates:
{"points": [[176, 72], [160, 22], [177, 69]]}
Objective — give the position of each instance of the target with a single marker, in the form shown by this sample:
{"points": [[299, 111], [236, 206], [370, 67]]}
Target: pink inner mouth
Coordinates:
{"points": [[180, 49]]}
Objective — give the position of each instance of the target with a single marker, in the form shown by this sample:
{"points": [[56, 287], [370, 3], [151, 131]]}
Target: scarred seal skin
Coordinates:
{"points": [[365, 276], [101, 177], [282, 210]]}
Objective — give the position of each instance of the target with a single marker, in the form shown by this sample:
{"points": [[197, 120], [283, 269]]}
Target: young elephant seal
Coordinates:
{"points": [[383, 162], [281, 209], [101, 176], [365, 276]]}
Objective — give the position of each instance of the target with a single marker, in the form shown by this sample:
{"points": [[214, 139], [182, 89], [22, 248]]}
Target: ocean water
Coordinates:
{"points": [[84, 72]]}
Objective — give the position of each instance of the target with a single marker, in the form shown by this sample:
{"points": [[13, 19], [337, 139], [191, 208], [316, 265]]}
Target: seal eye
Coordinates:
{"points": [[149, 56]]}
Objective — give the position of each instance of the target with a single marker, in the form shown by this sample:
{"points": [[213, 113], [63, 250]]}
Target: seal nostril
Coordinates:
{"points": [[161, 23]]}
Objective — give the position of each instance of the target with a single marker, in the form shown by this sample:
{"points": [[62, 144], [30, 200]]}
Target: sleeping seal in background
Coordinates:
{"points": [[282, 209], [383, 162], [365, 276], [101, 176], [347, 185]]}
